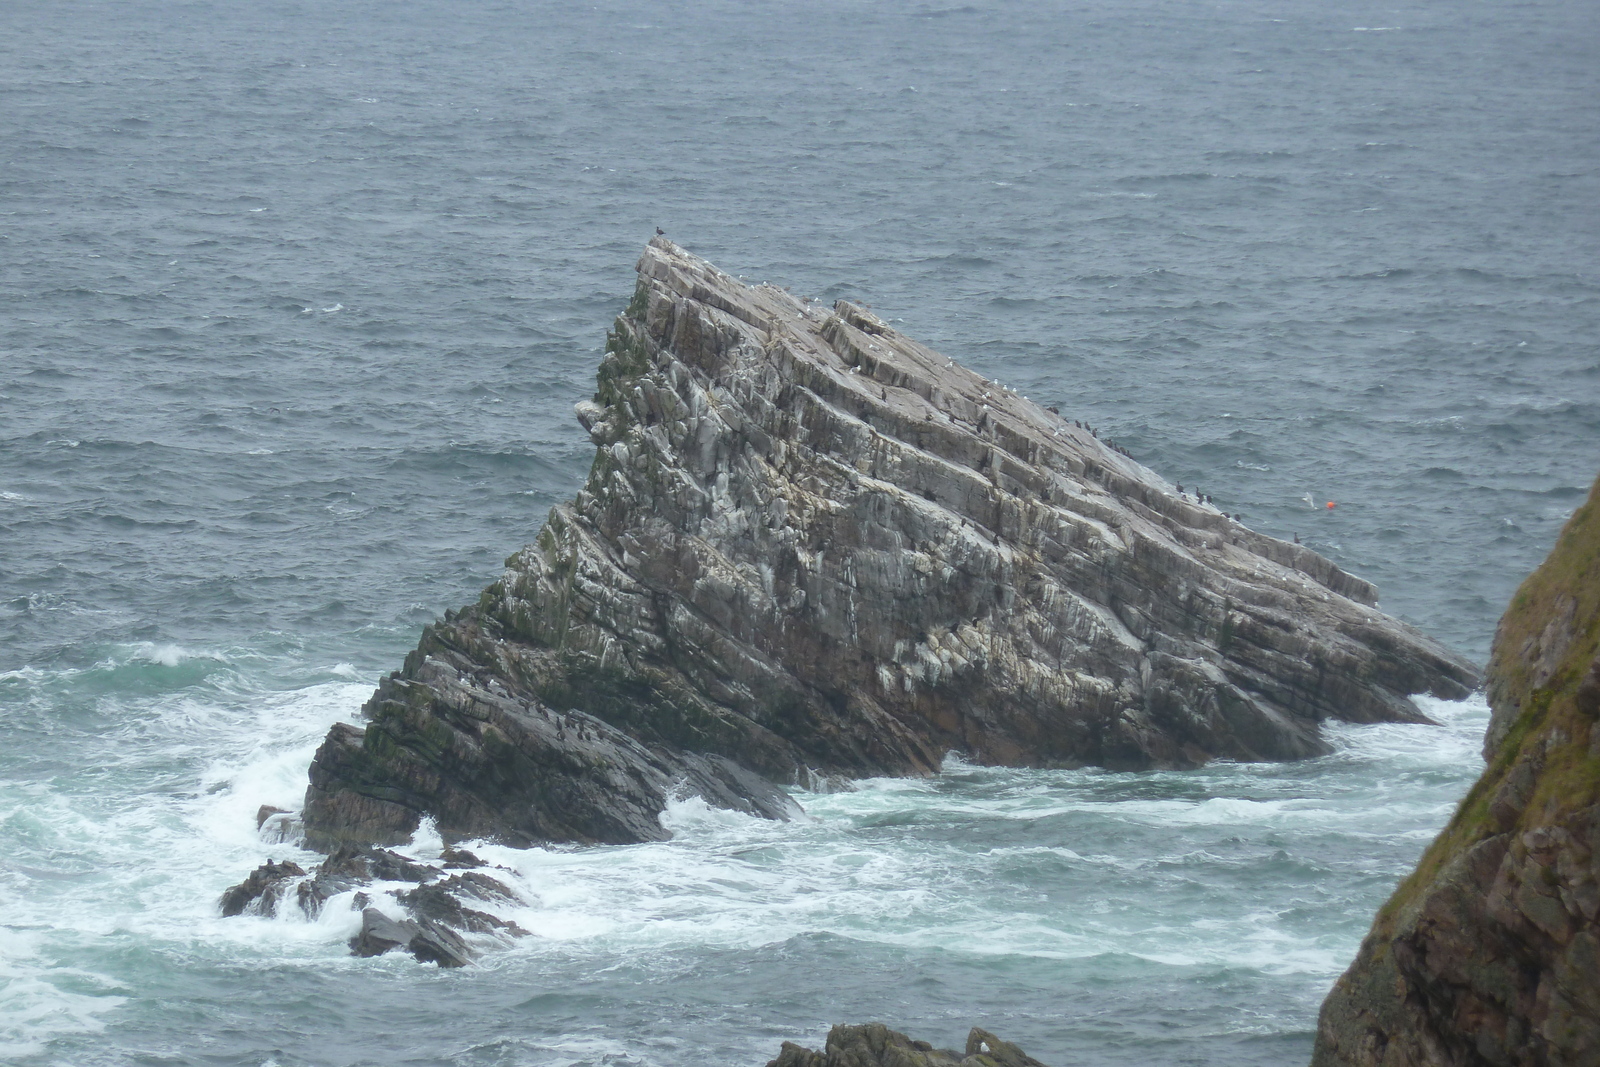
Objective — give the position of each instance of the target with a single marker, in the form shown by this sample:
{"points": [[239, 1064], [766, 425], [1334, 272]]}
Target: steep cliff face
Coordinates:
{"points": [[1489, 953], [810, 546]]}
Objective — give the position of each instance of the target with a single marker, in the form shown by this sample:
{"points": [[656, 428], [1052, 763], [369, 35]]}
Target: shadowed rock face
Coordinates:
{"points": [[1489, 953], [810, 546]]}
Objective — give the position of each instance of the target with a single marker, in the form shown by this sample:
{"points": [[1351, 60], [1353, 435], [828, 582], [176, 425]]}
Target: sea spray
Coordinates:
{"points": [[1261, 872]]}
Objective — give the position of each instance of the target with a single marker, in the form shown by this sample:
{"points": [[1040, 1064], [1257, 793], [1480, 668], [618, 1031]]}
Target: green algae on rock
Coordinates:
{"points": [[1489, 953], [812, 548]]}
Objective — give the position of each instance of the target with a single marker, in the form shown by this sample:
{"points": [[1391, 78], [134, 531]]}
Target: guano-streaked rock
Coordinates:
{"points": [[810, 547]]}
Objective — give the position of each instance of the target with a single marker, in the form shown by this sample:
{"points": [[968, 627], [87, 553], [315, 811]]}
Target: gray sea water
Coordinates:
{"points": [[295, 300]]}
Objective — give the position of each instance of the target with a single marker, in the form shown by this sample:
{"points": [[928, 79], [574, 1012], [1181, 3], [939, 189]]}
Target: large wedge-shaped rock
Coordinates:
{"points": [[811, 546]]}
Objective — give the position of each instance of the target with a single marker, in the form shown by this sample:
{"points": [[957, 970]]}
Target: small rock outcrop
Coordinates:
{"points": [[810, 547], [261, 890], [875, 1045], [428, 941], [433, 914], [1489, 953]]}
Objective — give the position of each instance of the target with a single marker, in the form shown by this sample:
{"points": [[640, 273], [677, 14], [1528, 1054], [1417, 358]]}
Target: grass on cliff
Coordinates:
{"points": [[1550, 725]]}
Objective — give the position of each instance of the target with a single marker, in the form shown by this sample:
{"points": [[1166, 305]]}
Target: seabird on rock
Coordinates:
{"points": [[660, 232]]}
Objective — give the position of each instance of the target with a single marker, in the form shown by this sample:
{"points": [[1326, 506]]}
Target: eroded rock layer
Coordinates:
{"points": [[811, 546], [1489, 953]]}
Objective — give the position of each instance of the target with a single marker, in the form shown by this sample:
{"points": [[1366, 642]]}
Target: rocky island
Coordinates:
{"points": [[1489, 953], [811, 549]]}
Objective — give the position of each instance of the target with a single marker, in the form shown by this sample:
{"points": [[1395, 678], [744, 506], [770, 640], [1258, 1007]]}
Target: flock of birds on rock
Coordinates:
{"points": [[1200, 498], [1203, 499]]}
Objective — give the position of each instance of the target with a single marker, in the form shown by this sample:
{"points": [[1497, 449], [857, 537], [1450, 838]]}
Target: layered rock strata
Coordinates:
{"points": [[811, 547], [1489, 953], [875, 1045]]}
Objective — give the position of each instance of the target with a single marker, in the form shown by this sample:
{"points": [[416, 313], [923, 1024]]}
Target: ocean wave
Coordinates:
{"points": [[44, 1001], [1157, 873]]}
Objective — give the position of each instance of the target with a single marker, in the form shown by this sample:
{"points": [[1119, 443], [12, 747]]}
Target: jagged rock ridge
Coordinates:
{"points": [[1488, 955], [811, 546]]}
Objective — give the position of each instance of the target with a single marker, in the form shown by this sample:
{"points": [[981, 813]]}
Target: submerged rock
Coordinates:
{"points": [[1489, 953], [810, 546], [875, 1045]]}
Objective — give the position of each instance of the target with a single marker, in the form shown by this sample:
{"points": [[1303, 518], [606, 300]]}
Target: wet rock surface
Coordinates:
{"points": [[875, 1045], [811, 547], [352, 866], [261, 890], [433, 914], [428, 941], [1489, 953], [442, 902]]}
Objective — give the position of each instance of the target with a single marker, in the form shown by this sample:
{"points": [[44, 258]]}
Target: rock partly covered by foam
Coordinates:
{"points": [[875, 1045], [428, 919], [1489, 953], [811, 546]]}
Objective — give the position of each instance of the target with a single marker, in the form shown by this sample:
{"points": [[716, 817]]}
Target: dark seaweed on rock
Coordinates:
{"points": [[809, 546]]}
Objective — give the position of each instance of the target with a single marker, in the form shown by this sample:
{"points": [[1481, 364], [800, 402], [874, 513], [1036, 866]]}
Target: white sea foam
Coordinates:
{"points": [[728, 879], [1456, 741], [166, 655], [42, 1000], [153, 863], [1067, 866]]}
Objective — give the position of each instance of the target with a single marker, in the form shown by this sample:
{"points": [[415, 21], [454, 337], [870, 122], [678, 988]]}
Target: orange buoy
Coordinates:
{"points": [[1330, 505]]}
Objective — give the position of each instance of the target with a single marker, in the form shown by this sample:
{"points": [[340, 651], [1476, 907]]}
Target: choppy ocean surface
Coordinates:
{"points": [[295, 300]]}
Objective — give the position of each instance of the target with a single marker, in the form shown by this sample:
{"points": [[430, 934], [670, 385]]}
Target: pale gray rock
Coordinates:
{"points": [[810, 547]]}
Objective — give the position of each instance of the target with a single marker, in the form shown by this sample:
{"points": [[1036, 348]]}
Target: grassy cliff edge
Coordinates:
{"points": [[1489, 952]]}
